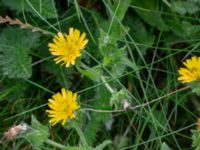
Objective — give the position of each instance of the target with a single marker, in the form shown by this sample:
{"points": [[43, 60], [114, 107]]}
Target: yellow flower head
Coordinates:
{"points": [[62, 106], [191, 72], [198, 123], [67, 48]]}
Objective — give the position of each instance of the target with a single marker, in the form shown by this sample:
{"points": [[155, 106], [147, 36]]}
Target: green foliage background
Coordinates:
{"points": [[135, 48]]}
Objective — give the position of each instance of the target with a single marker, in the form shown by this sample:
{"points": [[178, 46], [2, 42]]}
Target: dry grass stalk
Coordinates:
{"points": [[22, 25]]}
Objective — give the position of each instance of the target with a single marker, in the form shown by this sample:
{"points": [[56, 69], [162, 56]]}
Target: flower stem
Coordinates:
{"points": [[107, 85], [58, 145], [80, 133]]}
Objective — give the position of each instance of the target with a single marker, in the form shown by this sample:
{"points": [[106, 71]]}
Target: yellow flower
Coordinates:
{"points": [[67, 48], [198, 123], [62, 106], [191, 72]]}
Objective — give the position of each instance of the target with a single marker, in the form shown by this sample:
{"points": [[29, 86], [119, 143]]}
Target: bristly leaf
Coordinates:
{"points": [[38, 135], [15, 45], [46, 8]]}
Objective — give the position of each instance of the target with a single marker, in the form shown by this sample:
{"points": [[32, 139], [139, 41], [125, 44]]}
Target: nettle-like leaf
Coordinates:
{"points": [[46, 8], [15, 45]]}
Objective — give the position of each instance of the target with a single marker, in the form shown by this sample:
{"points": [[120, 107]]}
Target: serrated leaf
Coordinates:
{"points": [[15, 45], [149, 12], [114, 60], [38, 135], [46, 8], [183, 7], [107, 43]]}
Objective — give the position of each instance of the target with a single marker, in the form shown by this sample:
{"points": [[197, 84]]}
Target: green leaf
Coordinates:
{"points": [[38, 135], [78, 148], [139, 33], [118, 97], [164, 146], [114, 61], [103, 144], [101, 101], [184, 29], [93, 73], [190, 30], [15, 45], [119, 8], [120, 141], [149, 12], [81, 135], [46, 8], [130, 64], [196, 139], [92, 128], [16, 5], [107, 43], [183, 7], [195, 87], [59, 72]]}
